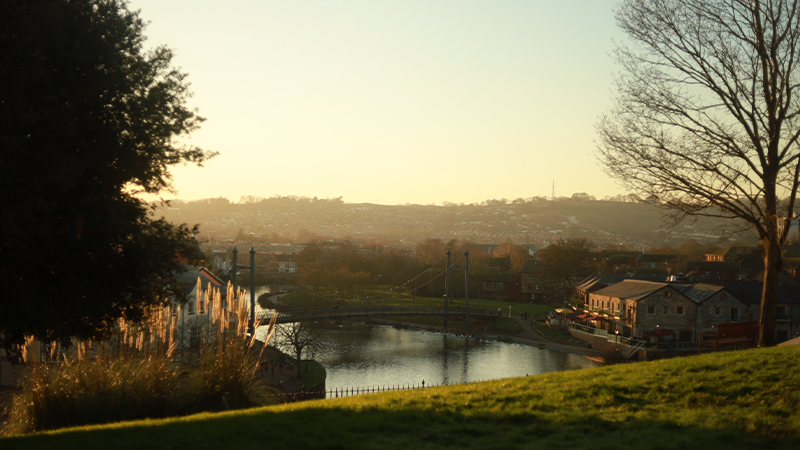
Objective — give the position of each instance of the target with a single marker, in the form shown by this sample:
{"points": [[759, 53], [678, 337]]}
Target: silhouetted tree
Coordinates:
{"points": [[299, 336], [706, 116], [88, 121]]}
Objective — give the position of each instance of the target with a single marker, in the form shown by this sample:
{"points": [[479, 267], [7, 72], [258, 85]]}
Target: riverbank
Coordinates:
{"points": [[531, 337]]}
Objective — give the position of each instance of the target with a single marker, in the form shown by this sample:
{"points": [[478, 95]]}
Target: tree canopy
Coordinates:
{"points": [[706, 118], [89, 119]]}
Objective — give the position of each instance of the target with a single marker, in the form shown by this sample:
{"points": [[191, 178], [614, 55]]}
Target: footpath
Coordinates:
{"points": [[533, 337]]}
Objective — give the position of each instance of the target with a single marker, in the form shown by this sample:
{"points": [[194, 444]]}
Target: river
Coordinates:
{"points": [[363, 356], [359, 355]]}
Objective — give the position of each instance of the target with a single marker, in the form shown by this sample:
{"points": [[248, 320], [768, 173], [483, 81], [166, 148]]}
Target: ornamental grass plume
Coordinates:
{"points": [[133, 374], [227, 358], [129, 376]]}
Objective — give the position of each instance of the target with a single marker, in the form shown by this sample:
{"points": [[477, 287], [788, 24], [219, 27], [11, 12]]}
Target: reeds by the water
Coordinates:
{"points": [[147, 369]]}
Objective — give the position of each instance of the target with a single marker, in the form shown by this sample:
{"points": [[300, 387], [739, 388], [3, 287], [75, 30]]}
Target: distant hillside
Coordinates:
{"points": [[538, 222]]}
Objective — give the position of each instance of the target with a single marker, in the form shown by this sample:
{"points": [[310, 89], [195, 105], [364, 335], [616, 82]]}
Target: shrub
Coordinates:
{"points": [[134, 375], [92, 391]]}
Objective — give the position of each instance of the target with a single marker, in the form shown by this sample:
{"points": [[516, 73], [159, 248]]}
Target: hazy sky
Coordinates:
{"points": [[393, 102]]}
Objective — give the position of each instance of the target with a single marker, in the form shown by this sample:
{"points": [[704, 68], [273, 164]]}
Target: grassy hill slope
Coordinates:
{"points": [[732, 400]]}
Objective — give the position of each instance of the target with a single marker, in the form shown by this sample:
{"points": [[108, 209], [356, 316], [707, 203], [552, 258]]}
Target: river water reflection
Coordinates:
{"points": [[361, 356]]}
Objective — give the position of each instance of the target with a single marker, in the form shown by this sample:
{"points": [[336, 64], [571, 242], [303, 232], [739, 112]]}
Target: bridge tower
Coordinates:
{"points": [[446, 287], [252, 268]]}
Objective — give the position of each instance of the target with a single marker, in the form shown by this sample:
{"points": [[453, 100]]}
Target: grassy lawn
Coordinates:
{"points": [[504, 325], [311, 372], [298, 300], [730, 400]]}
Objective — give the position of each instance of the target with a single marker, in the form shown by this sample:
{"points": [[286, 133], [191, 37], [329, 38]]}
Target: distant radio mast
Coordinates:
{"points": [[553, 194]]}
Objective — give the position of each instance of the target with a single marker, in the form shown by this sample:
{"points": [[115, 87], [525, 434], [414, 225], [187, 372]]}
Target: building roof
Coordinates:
{"points": [[187, 280], [620, 258], [632, 289], [735, 251], [598, 281], [713, 265], [607, 253], [698, 292], [651, 257], [750, 292], [649, 274]]}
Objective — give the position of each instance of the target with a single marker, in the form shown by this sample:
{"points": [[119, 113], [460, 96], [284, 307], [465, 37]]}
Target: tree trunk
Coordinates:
{"points": [[299, 352], [769, 297]]}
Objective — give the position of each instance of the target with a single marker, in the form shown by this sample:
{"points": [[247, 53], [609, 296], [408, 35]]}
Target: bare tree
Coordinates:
{"points": [[706, 116], [299, 336]]}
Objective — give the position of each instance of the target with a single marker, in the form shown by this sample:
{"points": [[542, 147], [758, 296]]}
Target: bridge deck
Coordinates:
{"points": [[348, 312]]}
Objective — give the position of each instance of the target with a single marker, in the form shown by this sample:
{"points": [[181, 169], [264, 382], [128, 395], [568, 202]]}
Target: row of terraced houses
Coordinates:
{"points": [[677, 311]]}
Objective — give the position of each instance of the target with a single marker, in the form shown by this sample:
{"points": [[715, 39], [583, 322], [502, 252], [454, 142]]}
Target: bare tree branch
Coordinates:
{"points": [[705, 116]]}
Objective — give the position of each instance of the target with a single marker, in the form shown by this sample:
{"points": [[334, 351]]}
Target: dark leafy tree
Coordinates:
{"points": [[89, 119], [707, 117], [564, 263]]}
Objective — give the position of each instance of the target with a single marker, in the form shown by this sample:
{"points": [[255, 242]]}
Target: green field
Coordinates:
{"points": [[731, 400], [298, 300]]}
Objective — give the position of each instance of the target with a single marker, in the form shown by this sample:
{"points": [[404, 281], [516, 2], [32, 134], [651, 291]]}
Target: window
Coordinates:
{"points": [[782, 335], [651, 309], [665, 309], [780, 310], [734, 314], [190, 305], [667, 294], [679, 310], [717, 310]]}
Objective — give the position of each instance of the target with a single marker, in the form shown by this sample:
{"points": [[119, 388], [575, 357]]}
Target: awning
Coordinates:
{"points": [[591, 317], [664, 332], [564, 310]]}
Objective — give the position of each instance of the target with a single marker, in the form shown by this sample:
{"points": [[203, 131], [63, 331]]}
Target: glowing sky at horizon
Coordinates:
{"points": [[392, 102]]}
